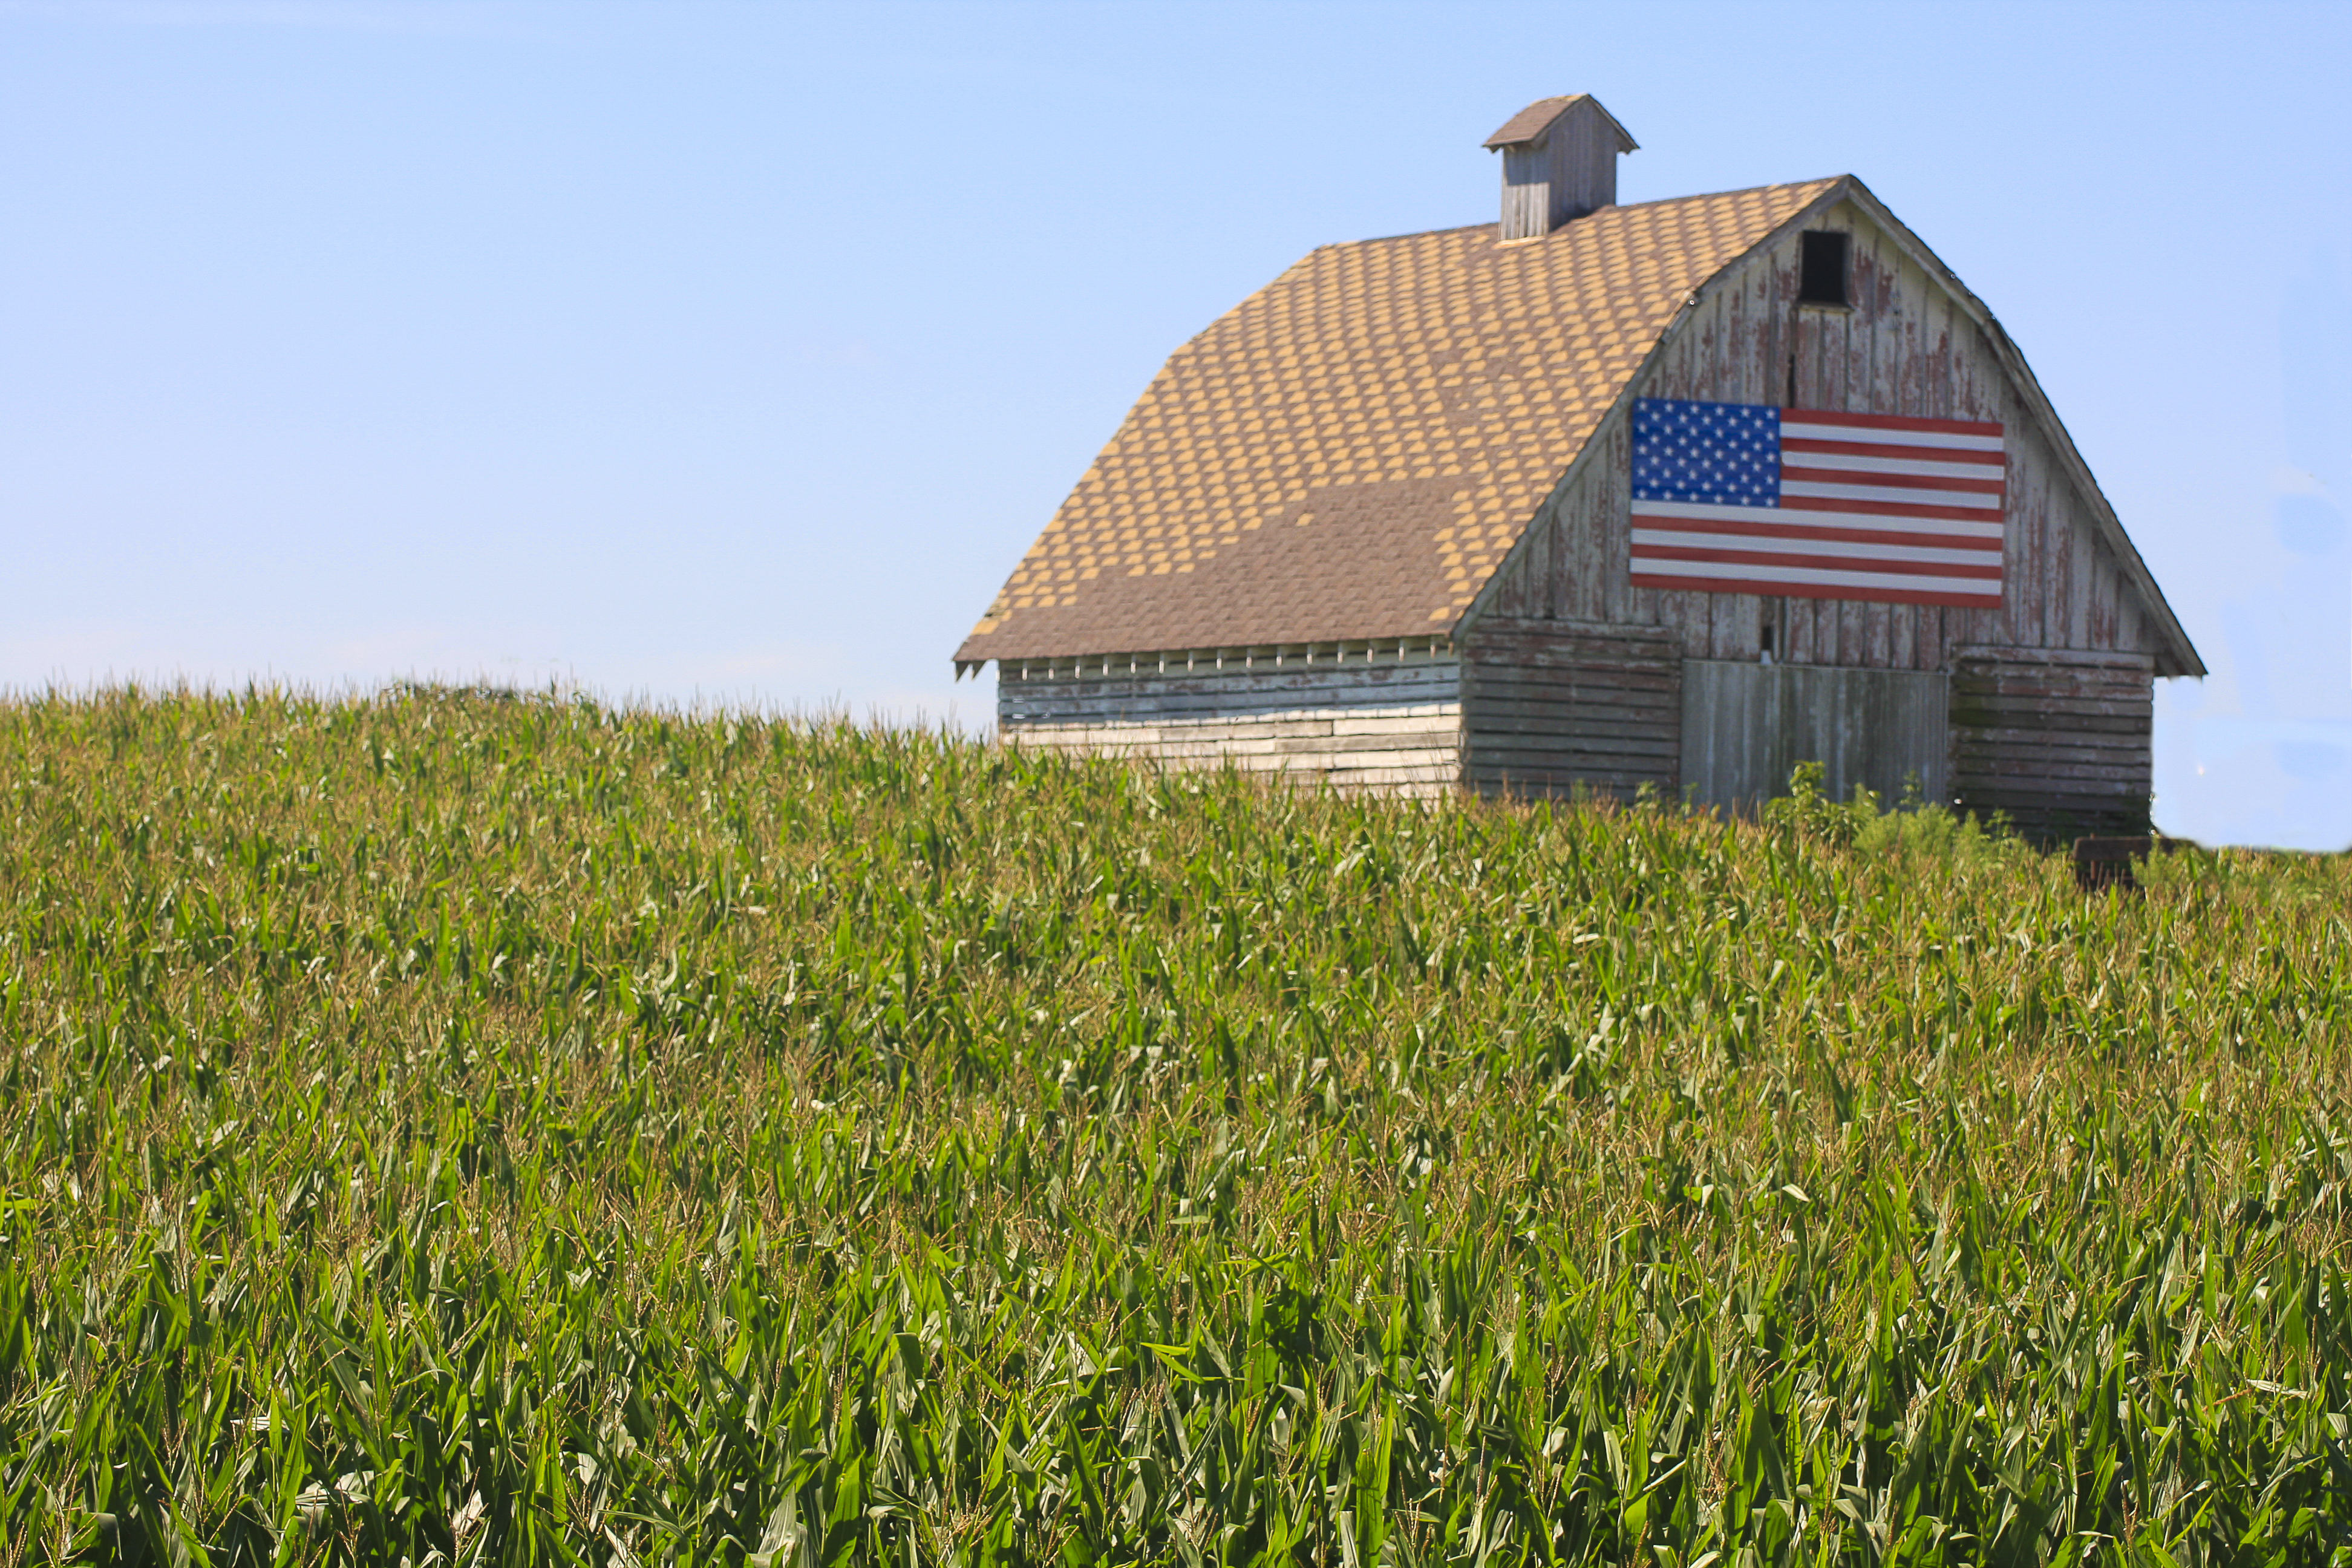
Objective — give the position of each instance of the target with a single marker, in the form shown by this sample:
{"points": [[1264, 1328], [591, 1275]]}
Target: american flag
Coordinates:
{"points": [[1740, 498]]}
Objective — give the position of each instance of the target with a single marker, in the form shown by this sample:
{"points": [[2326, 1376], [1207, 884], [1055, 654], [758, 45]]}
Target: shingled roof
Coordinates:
{"points": [[1352, 451], [1535, 119]]}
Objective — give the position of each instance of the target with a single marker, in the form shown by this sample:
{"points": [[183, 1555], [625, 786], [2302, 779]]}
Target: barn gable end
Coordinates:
{"points": [[1910, 341]]}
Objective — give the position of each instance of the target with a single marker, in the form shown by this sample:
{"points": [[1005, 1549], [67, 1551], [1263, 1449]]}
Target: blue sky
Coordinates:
{"points": [[735, 353]]}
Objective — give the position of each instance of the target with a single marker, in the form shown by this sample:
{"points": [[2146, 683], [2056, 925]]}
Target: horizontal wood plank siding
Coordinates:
{"points": [[1554, 709], [2059, 742], [1391, 727]]}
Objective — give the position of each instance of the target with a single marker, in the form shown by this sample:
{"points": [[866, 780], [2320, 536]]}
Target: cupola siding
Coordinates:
{"points": [[1376, 526]]}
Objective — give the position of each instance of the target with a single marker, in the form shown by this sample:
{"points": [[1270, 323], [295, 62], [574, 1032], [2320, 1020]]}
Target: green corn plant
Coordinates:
{"points": [[471, 1127]]}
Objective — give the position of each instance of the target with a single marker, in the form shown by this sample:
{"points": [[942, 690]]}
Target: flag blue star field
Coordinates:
{"points": [[1744, 497]]}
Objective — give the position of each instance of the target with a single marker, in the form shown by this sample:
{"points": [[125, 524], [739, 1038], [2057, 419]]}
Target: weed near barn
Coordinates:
{"points": [[525, 1132]]}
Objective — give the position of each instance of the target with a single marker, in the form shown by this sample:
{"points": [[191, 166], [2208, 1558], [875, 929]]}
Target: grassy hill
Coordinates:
{"points": [[526, 1133]]}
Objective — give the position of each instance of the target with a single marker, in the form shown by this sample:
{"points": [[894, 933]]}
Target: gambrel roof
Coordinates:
{"points": [[1351, 452]]}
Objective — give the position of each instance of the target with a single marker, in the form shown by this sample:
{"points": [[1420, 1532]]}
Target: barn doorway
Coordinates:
{"points": [[1747, 726]]}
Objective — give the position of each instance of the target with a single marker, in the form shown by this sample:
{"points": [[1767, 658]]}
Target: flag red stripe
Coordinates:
{"points": [[1886, 421], [1990, 572], [1888, 450], [1886, 508], [1812, 530], [1816, 591], [1891, 481]]}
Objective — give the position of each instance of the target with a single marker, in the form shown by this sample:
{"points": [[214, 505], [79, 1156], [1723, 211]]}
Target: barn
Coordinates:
{"points": [[1594, 498]]}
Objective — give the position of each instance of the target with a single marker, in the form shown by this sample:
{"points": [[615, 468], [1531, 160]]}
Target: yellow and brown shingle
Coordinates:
{"points": [[1352, 451]]}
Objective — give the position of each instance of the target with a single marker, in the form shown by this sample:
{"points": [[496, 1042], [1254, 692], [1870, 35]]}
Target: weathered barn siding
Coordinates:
{"points": [[1552, 708], [1746, 727], [2056, 740], [2051, 728], [1391, 720], [1906, 346]]}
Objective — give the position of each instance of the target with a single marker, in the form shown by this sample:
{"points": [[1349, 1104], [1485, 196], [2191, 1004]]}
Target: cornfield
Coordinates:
{"points": [[457, 1127]]}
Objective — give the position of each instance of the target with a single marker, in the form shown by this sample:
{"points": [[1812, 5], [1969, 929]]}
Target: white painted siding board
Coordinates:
{"points": [[1390, 727]]}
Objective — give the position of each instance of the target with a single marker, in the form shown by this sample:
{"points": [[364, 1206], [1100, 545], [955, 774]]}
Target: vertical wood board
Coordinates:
{"points": [[1746, 727]]}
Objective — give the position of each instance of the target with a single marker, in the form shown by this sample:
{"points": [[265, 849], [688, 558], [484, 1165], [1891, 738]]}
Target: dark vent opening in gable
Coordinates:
{"points": [[1820, 275]]}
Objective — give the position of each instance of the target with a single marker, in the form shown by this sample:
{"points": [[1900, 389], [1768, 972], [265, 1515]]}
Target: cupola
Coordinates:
{"points": [[1560, 162]]}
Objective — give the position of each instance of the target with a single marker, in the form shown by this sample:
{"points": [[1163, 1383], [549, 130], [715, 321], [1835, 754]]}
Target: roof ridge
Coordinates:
{"points": [[1824, 180]]}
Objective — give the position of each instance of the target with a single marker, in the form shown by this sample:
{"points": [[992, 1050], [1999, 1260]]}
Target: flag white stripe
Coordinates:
{"points": [[1798, 517], [1977, 498], [1848, 462], [1794, 425], [1941, 554], [1986, 588]]}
